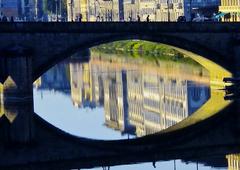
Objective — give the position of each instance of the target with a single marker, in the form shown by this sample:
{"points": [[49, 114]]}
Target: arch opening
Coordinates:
{"points": [[114, 82], [199, 54]]}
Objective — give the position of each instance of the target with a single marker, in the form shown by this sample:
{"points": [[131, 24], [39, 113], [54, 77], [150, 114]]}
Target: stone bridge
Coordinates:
{"points": [[48, 43], [28, 49]]}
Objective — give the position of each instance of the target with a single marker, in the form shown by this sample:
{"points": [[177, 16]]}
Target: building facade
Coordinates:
{"points": [[77, 10], [18, 9], [131, 10], [147, 8], [155, 10], [232, 9], [111, 10], [205, 8], [169, 10]]}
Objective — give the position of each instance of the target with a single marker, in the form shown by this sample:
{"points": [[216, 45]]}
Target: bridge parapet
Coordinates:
{"points": [[119, 27]]}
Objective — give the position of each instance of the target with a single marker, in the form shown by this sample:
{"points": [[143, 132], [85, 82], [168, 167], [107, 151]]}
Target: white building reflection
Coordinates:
{"points": [[137, 99]]}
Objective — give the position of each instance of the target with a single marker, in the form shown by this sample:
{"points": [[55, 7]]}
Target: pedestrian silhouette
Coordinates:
{"points": [[98, 18], [130, 18], [4, 19], [154, 164], [80, 18], [138, 18], [148, 18]]}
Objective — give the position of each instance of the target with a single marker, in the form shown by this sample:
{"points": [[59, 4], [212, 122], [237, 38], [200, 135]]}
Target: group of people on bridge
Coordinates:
{"points": [[4, 18], [109, 18]]}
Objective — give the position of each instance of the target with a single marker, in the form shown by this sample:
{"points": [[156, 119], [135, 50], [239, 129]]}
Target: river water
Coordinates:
{"points": [[111, 96]]}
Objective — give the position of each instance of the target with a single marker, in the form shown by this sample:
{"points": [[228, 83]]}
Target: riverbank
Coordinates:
{"points": [[144, 49]]}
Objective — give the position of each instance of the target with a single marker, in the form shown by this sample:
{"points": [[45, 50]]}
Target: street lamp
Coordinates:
{"points": [[168, 11], [1, 7], [71, 9], [56, 4], [112, 12], [60, 9], [190, 10]]}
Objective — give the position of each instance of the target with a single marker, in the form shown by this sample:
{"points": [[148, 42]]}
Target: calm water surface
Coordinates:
{"points": [[115, 97], [106, 99]]}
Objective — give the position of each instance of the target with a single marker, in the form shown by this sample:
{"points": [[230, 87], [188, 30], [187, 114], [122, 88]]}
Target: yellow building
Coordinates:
{"points": [[84, 10], [77, 8], [144, 100], [233, 8], [81, 84], [76, 81], [147, 8]]}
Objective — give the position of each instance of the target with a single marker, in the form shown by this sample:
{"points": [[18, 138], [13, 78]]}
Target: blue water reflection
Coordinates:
{"points": [[109, 96], [118, 98]]}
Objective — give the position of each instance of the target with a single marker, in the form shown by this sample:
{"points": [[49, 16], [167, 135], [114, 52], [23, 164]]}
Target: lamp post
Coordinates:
{"points": [[71, 9], [1, 3], [190, 10], [60, 9], [95, 10], [168, 11], [112, 12], [56, 4], [1, 7], [27, 11]]}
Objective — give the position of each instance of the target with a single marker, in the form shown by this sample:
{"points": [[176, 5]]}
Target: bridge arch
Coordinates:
{"points": [[169, 40]]}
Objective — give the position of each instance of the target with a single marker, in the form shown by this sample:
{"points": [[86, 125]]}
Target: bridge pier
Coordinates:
{"points": [[17, 75], [16, 96], [16, 123], [236, 52]]}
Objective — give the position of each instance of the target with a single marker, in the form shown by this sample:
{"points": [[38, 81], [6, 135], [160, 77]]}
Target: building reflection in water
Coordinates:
{"points": [[233, 161], [138, 98]]}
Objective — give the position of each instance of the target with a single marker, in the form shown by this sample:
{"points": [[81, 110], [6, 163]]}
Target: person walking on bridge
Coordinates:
{"points": [[148, 20], [138, 18], [80, 18]]}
